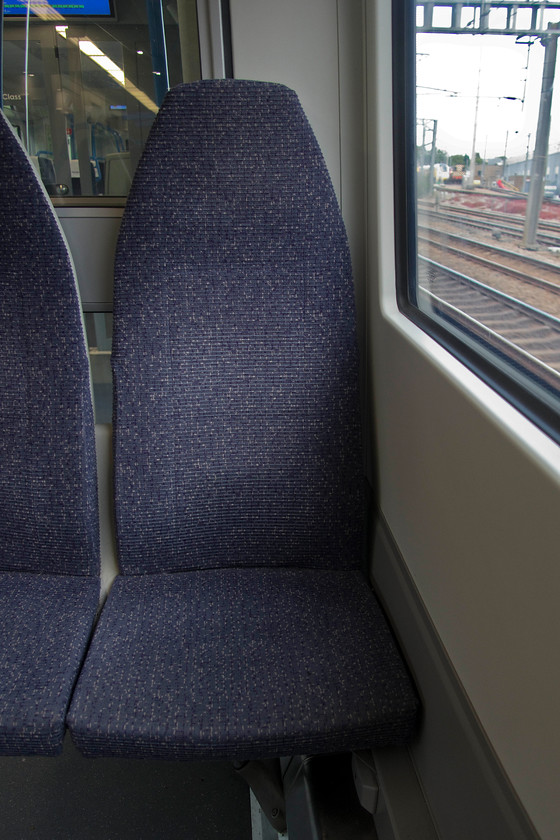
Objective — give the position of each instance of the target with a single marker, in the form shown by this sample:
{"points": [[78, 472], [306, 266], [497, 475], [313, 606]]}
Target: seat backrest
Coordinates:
{"points": [[234, 357], [117, 173], [48, 486]]}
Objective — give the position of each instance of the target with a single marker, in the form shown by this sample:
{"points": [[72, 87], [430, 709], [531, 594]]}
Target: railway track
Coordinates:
{"points": [[548, 233], [525, 335], [524, 268]]}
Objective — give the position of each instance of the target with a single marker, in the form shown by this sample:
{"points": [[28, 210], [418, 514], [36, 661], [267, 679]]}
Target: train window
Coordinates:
{"points": [[82, 83], [477, 163]]}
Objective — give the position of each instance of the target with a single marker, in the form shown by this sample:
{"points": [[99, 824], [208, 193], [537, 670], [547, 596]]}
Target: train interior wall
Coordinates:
{"points": [[465, 553], [470, 491]]}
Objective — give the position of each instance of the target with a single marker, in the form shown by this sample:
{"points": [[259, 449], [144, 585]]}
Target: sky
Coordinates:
{"points": [[447, 79]]}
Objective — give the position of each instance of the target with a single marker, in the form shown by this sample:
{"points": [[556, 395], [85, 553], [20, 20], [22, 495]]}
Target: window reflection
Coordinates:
{"points": [[83, 93]]}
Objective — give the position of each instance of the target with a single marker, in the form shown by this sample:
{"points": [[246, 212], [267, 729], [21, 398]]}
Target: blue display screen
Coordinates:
{"points": [[89, 8]]}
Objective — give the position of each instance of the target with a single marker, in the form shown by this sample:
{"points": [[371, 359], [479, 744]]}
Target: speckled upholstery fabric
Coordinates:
{"points": [[48, 485], [235, 368], [45, 623], [242, 627], [49, 563], [241, 663]]}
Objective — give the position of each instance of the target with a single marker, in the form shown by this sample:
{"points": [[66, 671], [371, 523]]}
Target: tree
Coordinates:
{"points": [[424, 154], [459, 160]]}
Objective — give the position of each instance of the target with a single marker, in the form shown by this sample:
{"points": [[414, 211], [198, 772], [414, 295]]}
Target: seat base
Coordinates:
{"points": [[45, 623], [239, 664]]}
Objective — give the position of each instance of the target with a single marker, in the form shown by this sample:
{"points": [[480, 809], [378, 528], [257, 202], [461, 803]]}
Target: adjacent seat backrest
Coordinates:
{"points": [[48, 490], [235, 367]]}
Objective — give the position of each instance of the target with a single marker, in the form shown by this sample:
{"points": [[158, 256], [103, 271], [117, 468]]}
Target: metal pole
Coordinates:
{"points": [[473, 153], [156, 27], [526, 163], [432, 157], [538, 166], [188, 39], [210, 28]]}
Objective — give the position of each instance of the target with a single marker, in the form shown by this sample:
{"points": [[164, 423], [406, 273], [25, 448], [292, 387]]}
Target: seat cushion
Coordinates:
{"points": [[45, 623], [241, 663]]}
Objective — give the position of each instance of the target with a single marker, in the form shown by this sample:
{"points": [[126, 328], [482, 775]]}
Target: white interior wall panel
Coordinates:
{"points": [[471, 492]]}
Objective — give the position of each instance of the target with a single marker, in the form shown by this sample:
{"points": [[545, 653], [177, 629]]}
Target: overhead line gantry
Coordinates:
{"points": [[478, 18]]}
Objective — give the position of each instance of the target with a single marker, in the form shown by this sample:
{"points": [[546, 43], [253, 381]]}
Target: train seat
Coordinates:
{"points": [[49, 554], [241, 626], [117, 173]]}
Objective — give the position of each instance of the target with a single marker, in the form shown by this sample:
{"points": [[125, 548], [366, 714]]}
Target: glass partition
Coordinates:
{"points": [[82, 83]]}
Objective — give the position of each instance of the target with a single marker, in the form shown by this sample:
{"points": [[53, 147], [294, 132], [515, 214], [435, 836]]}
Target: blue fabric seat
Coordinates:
{"points": [[241, 663], [241, 626], [49, 552]]}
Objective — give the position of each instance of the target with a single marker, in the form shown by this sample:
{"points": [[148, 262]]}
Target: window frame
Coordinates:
{"points": [[528, 395]]}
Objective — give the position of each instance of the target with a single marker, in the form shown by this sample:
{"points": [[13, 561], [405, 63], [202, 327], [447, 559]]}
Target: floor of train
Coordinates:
{"points": [[73, 798]]}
